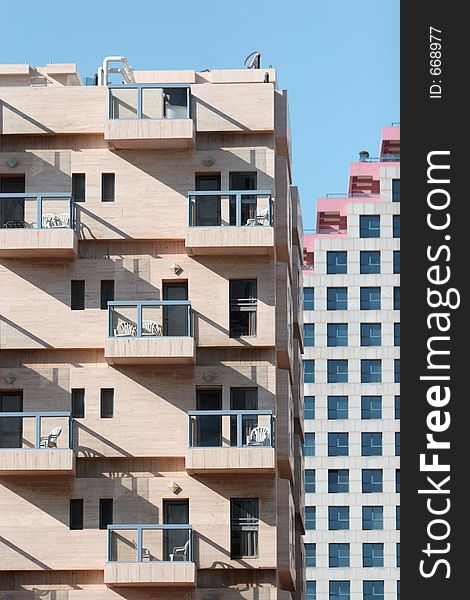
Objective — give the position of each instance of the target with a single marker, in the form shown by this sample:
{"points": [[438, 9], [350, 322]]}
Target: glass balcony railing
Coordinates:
{"points": [[147, 543], [149, 102], [230, 428], [37, 210], [33, 430], [236, 208], [171, 318]]}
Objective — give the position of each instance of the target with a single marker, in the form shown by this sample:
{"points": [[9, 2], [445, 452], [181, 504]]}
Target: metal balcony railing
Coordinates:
{"points": [[36, 430], [148, 543], [150, 318], [148, 101], [37, 210], [235, 208], [230, 428]]}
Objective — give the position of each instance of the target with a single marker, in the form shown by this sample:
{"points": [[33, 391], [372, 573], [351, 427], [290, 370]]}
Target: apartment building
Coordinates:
{"points": [[352, 384], [151, 397]]}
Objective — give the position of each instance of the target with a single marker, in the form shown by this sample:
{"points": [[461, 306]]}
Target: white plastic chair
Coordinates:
{"points": [[261, 219], [125, 328], [180, 551], [258, 436], [151, 328], [48, 221], [50, 441], [62, 220]]}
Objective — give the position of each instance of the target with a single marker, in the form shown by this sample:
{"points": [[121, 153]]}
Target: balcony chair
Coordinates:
{"points": [[259, 436], [125, 329], [50, 441], [151, 328], [182, 551], [51, 221], [261, 219], [145, 551]]}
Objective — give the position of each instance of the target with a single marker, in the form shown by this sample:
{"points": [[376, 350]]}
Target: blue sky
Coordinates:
{"points": [[339, 59]]}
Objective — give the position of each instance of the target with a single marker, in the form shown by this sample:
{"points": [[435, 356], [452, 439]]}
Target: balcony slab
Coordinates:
{"points": [[230, 460], [150, 350], [38, 462], [150, 133], [219, 241], [40, 243], [178, 574]]}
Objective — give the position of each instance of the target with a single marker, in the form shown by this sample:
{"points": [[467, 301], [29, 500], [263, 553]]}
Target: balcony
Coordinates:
{"points": [[37, 224], [230, 441], [154, 332], [36, 443], [149, 117], [230, 222], [150, 555]]}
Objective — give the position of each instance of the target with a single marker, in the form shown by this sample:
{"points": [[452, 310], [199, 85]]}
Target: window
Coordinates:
{"points": [[309, 407], [396, 262], [309, 444], [371, 407], [369, 262], [396, 226], [337, 334], [336, 263], [243, 304], [371, 444], [310, 517], [373, 590], [337, 407], [107, 403], [395, 190], [397, 443], [108, 185], [310, 555], [338, 517], [239, 180], [396, 333], [372, 517], [372, 555], [396, 369], [337, 298], [309, 334], [77, 294], [397, 407], [338, 555], [398, 554], [244, 518], [78, 403], [371, 370], [337, 371], [396, 298], [107, 292], [369, 226], [338, 481], [76, 513], [309, 298], [106, 512], [370, 298], [339, 590], [398, 590], [372, 481], [309, 371], [78, 187], [206, 211], [311, 590], [371, 334], [397, 481], [397, 517], [338, 444], [310, 481]]}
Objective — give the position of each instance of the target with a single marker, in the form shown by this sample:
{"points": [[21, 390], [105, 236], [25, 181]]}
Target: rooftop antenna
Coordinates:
{"points": [[253, 61]]}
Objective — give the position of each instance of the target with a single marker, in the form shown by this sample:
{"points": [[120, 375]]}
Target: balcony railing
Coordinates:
{"points": [[236, 208], [36, 431], [37, 210], [382, 158], [230, 428], [148, 101], [152, 318], [148, 543]]}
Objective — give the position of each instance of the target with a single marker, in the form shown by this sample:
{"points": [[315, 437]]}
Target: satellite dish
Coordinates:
{"points": [[253, 61]]}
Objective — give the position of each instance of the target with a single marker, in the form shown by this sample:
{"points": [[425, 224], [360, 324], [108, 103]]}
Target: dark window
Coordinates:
{"points": [[309, 407], [337, 334], [338, 517], [369, 262], [76, 514], [372, 517], [395, 190], [12, 209], [396, 298], [396, 262], [78, 403], [309, 298], [310, 555], [372, 481], [78, 187], [371, 443], [337, 298], [309, 334], [107, 403], [107, 292], [397, 407], [339, 590], [106, 512], [11, 428], [396, 226], [310, 481], [108, 185], [372, 590], [397, 443], [336, 262], [371, 334], [370, 298], [309, 371], [248, 208], [309, 444], [396, 366], [397, 481], [372, 555], [310, 517], [338, 555], [338, 444], [369, 226], [337, 407], [244, 518], [205, 210], [396, 334], [371, 407], [242, 399], [397, 517], [311, 590], [77, 294], [337, 371], [338, 481], [371, 370], [243, 305]]}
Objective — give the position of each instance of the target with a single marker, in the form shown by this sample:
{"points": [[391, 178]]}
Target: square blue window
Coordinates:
{"points": [[398, 554], [339, 590], [396, 262], [396, 367], [337, 371], [396, 334], [372, 517], [397, 517], [395, 190], [397, 481], [337, 407], [396, 226], [310, 517], [310, 555], [337, 298], [371, 444], [337, 334], [373, 590], [370, 298], [397, 407], [372, 481], [371, 334], [371, 407], [369, 262], [311, 590], [371, 370], [369, 226], [338, 555], [309, 334], [396, 298], [309, 371], [338, 517], [372, 555], [310, 481], [309, 408], [397, 443], [336, 263], [309, 444], [338, 481], [309, 298], [338, 444]]}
